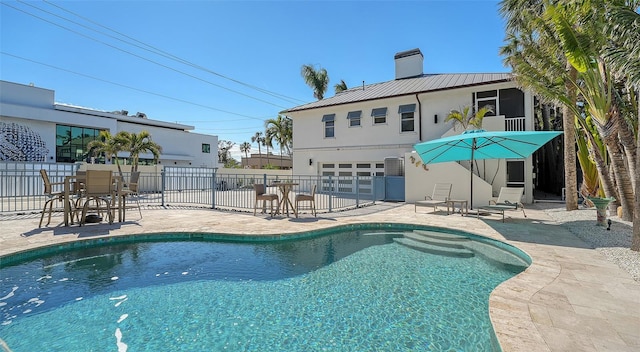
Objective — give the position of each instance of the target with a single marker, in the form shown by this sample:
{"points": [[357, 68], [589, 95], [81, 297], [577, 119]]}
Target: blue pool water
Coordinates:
{"points": [[353, 290]]}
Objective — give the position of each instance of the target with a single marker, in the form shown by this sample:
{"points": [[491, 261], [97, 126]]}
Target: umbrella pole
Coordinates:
{"points": [[473, 149]]}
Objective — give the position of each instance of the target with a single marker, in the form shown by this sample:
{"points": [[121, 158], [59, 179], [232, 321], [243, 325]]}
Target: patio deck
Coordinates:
{"points": [[570, 299]]}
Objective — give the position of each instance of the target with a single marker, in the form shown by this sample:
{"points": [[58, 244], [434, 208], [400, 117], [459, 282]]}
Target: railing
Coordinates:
{"points": [[515, 124], [21, 188]]}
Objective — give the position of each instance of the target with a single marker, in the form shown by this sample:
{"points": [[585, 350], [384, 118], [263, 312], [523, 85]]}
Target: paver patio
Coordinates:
{"points": [[570, 299]]}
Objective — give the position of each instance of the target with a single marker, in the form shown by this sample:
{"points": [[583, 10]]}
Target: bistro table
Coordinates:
{"points": [[77, 180], [285, 202]]}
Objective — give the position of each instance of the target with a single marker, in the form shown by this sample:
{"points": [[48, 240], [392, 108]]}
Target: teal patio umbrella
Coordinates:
{"points": [[481, 144]]}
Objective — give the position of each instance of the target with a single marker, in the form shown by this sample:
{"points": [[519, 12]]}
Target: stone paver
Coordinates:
{"points": [[570, 299]]}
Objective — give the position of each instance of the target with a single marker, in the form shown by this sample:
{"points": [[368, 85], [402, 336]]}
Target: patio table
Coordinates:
{"points": [[285, 202], [77, 179]]}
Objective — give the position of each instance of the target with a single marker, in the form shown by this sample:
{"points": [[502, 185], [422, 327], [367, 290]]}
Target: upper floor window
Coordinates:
{"points": [[379, 116], [354, 118], [487, 98], [206, 148], [71, 143], [329, 125], [407, 121]]}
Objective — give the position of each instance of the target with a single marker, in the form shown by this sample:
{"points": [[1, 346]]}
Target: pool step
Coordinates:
{"points": [[497, 256], [441, 235], [434, 249], [434, 241]]}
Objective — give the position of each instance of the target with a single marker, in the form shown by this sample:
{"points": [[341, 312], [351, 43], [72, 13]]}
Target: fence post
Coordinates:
{"points": [[330, 192], [374, 190], [357, 191], [264, 181], [162, 185], [213, 189]]}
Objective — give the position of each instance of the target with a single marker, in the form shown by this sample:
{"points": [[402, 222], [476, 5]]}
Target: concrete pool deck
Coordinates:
{"points": [[570, 299]]}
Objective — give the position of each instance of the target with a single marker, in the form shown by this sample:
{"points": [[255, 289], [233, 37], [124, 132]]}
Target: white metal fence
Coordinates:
{"points": [[22, 188]]}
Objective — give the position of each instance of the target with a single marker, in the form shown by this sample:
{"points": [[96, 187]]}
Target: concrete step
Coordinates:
{"points": [[497, 256], [441, 235], [434, 241], [437, 250]]}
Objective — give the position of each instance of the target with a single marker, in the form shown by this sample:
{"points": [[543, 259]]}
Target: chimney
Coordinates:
{"points": [[409, 63]]}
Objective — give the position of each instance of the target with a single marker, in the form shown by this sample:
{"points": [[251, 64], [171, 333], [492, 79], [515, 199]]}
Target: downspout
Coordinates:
{"points": [[419, 118]]}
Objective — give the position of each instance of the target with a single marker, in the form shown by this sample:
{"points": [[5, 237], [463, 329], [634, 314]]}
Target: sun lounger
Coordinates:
{"points": [[508, 199], [440, 196]]}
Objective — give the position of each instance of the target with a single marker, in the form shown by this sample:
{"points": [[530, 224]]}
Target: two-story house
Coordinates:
{"points": [[358, 130]]}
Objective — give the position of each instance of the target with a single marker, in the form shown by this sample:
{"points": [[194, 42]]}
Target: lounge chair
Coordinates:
{"points": [[440, 196], [508, 199]]}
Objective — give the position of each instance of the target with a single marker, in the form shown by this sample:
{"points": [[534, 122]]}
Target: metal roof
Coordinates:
{"points": [[406, 86]]}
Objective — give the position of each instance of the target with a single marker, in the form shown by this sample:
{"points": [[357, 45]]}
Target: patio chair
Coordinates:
{"points": [[510, 198], [98, 187], [51, 195], [264, 197], [307, 198], [131, 190], [440, 196]]}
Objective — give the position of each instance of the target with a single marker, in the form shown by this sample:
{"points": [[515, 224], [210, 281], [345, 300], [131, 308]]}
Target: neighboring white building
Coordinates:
{"points": [[35, 128], [355, 131]]}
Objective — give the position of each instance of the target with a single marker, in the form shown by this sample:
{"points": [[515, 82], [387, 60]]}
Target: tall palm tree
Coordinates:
{"points": [[245, 148], [280, 130], [109, 146], [540, 65], [318, 80], [138, 143], [258, 138], [340, 87]]}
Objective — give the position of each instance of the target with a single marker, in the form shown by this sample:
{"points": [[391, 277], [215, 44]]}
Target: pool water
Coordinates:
{"points": [[350, 291]]}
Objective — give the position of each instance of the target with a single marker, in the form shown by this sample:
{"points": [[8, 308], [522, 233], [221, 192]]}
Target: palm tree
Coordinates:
{"points": [[466, 118], [245, 148], [340, 87], [540, 65], [258, 138], [318, 80], [109, 146], [279, 129], [138, 143]]}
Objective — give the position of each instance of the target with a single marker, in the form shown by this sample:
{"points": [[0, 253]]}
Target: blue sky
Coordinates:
{"points": [[236, 63]]}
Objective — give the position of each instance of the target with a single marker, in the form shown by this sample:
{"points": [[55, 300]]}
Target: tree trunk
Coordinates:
{"points": [[635, 239], [570, 173], [609, 134]]}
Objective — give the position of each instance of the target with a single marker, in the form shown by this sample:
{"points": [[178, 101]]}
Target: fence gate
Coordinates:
{"points": [[394, 188]]}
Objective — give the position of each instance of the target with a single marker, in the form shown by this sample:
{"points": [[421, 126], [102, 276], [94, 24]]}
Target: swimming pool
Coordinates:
{"points": [[360, 287]]}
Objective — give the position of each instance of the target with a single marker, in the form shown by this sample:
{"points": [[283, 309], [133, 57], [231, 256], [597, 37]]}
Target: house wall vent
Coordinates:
{"points": [[409, 63], [393, 166]]}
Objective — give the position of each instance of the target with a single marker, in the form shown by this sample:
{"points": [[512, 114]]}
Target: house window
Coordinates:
{"points": [[354, 118], [379, 116], [407, 117], [511, 102], [206, 148], [71, 143], [487, 98], [329, 125]]}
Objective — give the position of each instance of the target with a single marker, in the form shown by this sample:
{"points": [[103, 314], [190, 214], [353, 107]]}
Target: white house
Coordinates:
{"points": [[35, 128], [365, 128]]}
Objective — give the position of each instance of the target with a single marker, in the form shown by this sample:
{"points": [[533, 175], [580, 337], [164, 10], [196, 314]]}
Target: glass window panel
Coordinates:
{"points": [[363, 166], [328, 166], [511, 103], [329, 117], [406, 108], [487, 94], [344, 166]]}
